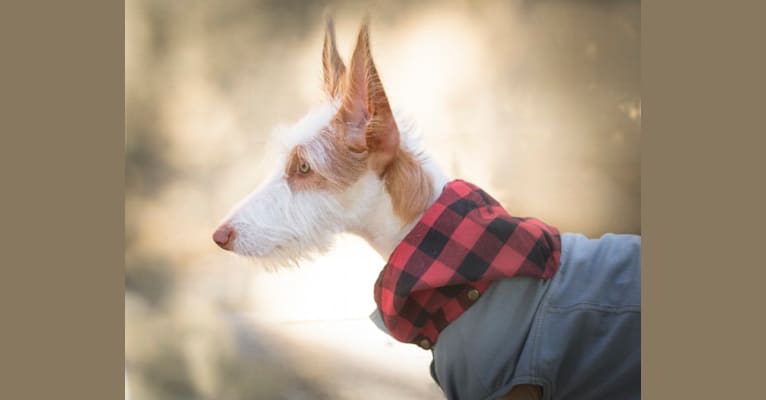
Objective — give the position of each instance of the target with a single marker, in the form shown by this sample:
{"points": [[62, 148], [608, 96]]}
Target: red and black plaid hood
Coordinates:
{"points": [[464, 241]]}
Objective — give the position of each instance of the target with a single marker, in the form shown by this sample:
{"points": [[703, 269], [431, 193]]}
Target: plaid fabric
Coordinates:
{"points": [[463, 242]]}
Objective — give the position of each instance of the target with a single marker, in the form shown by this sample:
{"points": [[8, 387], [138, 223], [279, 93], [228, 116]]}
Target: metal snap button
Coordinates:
{"points": [[425, 344], [473, 294]]}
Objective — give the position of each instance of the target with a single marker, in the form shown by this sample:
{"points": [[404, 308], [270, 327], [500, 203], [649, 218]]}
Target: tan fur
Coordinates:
{"points": [[410, 187], [332, 65], [524, 392], [333, 166], [369, 126], [362, 135], [365, 112], [298, 181]]}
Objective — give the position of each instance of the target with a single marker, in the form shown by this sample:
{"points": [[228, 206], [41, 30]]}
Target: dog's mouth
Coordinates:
{"points": [[265, 250]]}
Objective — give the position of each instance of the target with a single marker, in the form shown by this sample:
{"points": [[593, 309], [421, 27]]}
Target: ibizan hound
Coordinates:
{"points": [[350, 166]]}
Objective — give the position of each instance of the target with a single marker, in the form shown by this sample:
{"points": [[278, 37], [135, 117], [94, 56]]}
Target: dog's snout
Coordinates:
{"points": [[224, 237]]}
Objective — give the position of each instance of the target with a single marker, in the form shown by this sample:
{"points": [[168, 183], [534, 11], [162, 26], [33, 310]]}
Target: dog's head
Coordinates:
{"points": [[345, 170]]}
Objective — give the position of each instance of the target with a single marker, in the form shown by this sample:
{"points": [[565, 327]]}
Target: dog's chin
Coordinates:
{"points": [[284, 255]]}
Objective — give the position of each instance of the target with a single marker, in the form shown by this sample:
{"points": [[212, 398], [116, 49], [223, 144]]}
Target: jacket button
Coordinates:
{"points": [[425, 344], [473, 294]]}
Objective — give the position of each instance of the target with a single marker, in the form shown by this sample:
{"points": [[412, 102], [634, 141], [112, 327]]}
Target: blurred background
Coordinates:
{"points": [[536, 101]]}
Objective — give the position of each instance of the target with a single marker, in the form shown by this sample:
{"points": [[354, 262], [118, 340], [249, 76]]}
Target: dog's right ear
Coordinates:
{"points": [[332, 65]]}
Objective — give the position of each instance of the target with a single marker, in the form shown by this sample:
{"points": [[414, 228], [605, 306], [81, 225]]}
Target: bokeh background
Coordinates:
{"points": [[537, 101]]}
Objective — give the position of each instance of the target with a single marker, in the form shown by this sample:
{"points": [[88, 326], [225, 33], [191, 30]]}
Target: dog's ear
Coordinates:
{"points": [[367, 119], [332, 66]]}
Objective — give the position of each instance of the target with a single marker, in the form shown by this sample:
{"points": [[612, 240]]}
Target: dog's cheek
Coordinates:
{"points": [[310, 182]]}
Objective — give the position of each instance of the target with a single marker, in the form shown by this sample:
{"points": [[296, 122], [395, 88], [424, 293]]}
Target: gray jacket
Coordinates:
{"points": [[577, 335]]}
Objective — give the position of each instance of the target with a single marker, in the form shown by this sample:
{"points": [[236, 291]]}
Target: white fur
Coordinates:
{"points": [[307, 127], [281, 227]]}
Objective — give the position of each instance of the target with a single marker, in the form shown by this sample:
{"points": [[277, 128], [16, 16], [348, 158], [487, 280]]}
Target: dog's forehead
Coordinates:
{"points": [[305, 129]]}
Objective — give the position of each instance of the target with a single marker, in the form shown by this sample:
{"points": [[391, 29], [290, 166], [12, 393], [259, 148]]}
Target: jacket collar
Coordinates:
{"points": [[465, 241]]}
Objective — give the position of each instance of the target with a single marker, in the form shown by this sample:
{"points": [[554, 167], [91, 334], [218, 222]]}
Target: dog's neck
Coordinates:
{"points": [[381, 229]]}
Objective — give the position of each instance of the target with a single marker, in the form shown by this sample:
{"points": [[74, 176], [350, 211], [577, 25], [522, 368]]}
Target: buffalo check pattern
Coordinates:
{"points": [[463, 242]]}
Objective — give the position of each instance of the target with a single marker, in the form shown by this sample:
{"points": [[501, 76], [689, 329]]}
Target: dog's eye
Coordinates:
{"points": [[304, 167]]}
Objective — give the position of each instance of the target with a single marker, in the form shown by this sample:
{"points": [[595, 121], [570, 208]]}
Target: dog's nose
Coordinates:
{"points": [[224, 237]]}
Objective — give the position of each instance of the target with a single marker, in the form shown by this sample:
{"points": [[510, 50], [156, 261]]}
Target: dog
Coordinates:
{"points": [[510, 307]]}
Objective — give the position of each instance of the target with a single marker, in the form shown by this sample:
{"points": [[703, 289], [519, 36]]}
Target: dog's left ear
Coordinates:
{"points": [[365, 114], [332, 66]]}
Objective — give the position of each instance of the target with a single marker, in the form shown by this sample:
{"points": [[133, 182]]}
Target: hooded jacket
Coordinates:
{"points": [[571, 325]]}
